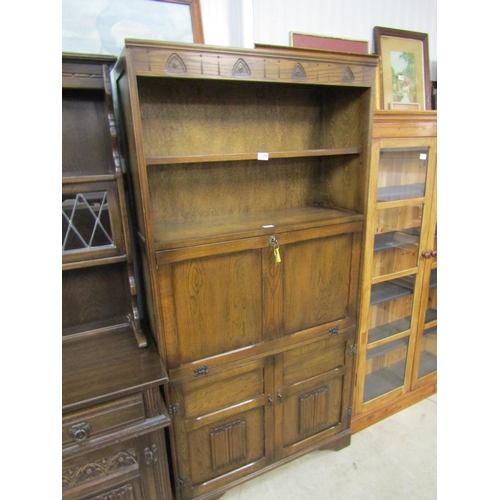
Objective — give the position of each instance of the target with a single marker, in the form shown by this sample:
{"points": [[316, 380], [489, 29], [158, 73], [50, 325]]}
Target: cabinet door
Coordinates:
{"points": [[313, 387], [320, 272], [211, 304], [398, 227], [235, 294], [425, 364], [223, 430]]}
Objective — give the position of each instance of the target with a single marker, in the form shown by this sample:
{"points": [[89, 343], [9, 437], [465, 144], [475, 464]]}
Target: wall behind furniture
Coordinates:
{"points": [[99, 26], [245, 22]]}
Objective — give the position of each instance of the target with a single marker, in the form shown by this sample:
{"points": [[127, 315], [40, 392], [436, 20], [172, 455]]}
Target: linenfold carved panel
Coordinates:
{"points": [[313, 409], [228, 443]]}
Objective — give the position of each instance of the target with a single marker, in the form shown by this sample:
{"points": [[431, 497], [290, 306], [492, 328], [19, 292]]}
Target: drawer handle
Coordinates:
{"points": [[80, 432], [201, 370], [334, 330]]}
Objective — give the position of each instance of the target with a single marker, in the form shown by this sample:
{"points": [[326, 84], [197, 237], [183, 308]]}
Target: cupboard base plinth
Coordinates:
{"points": [[365, 420]]}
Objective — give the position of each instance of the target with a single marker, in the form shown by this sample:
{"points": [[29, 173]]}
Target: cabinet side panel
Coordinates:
{"points": [[124, 98]]}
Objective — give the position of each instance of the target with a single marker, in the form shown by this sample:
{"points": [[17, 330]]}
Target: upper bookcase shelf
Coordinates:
{"points": [[165, 160], [227, 143]]}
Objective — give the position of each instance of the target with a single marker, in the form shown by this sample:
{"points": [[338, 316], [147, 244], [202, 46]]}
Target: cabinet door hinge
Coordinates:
{"points": [[348, 411], [174, 409], [151, 455], [353, 349], [181, 482]]}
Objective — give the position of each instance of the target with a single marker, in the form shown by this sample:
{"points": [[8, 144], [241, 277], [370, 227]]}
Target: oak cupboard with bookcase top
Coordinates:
{"points": [[397, 351], [113, 413], [249, 172]]}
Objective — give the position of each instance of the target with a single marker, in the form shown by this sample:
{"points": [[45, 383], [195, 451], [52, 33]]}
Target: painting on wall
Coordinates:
{"points": [[405, 69], [100, 26]]}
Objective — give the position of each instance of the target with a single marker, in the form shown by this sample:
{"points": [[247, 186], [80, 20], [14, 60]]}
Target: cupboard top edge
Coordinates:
{"points": [[195, 61], [283, 52]]}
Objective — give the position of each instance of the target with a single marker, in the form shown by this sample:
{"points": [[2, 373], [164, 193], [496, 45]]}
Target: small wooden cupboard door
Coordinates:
{"points": [[313, 387], [320, 276], [211, 304], [222, 426]]}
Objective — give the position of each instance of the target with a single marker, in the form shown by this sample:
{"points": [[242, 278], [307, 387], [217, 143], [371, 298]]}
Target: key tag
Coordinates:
{"points": [[277, 256]]}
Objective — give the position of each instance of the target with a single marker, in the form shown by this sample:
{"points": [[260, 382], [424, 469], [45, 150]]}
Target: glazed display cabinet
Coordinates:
{"points": [[249, 171], [397, 352]]}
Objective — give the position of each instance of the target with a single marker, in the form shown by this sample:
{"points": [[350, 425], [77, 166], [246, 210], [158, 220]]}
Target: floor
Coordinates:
{"points": [[395, 459]]}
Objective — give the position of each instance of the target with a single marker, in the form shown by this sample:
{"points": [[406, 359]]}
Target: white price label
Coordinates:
{"points": [[263, 156], [269, 225], [423, 156]]}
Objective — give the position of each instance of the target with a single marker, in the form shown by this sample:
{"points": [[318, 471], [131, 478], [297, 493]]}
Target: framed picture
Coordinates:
{"points": [[100, 27], [404, 60], [306, 41]]}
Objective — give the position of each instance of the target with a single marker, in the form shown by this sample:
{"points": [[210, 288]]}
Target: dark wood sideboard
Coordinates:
{"points": [[113, 411]]}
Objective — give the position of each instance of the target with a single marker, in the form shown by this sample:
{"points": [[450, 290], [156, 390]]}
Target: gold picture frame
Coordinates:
{"points": [[404, 66]]}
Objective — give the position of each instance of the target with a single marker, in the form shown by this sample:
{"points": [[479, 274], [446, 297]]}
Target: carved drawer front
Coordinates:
{"points": [[222, 425], [88, 424], [115, 472]]}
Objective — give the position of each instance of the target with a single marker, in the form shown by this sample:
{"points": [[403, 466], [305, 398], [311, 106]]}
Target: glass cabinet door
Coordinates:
{"points": [[397, 236], [426, 346]]}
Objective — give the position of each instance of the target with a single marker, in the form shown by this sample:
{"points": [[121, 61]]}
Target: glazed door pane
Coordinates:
{"points": [[385, 368], [402, 173], [391, 308], [428, 344], [397, 239]]}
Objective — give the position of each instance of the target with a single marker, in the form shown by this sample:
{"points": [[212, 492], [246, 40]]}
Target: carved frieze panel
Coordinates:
{"points": [[125, 492], [241, 69], [96, 469], [175, 65]]}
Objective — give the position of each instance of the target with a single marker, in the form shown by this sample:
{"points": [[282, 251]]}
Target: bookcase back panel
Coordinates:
{"points": [[189, 192], [94, 295], [189, 117], [86, 140]]}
